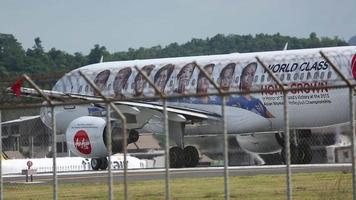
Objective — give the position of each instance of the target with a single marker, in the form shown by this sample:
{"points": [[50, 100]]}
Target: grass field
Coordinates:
{"points": [[305, 186]]}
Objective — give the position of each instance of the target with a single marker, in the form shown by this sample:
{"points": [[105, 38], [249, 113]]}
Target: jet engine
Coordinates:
{"points": [[86, 137], [260, 143]]}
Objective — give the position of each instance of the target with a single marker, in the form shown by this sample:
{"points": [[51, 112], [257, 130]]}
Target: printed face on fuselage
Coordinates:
{"points": [[101, 79], [121, 79], [140, 81], [247, 76], [183, 77], [226, 76], [162, 76], [203, 82]]}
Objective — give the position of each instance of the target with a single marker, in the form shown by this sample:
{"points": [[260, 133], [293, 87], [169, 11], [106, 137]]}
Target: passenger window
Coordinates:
{"points": [[316, 75], [256, 78], [281, 77], [80, 89], [288, 77], [86, 88], [237, 79], [269, 78], [296, 76], [262, 78], [309, 76], [322, 74], [329, 74], [301, 76]]}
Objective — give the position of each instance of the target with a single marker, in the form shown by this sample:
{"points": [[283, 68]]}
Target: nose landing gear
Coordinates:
{"points": [[99, 163]]}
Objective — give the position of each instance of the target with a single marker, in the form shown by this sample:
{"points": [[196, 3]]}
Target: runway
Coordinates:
{"points": [[153, 174]]}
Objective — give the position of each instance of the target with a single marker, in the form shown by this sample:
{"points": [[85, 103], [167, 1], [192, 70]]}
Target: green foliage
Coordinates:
{"points": [[14, 60], [352, 40]]}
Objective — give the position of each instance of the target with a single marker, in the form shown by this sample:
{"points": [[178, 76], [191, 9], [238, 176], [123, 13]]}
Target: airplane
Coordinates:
{"points": [[255, 119], [66, 164]]}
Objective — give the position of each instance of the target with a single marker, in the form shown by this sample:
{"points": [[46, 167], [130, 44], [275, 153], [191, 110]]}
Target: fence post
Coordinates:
{"points": [[108, 138], [225, 134], [286, 126], [54, 133], [352, 119], [1, 183], [166, 133], [226, 149], [54, 151], [109, 142]]}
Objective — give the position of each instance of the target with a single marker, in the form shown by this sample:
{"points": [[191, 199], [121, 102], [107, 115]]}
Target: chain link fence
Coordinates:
{"points": [[308, 163]]}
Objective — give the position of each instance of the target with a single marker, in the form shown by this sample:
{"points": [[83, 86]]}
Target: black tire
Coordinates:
{"points": [[294, 154], [305, 153], [133, 137], [95, 163], [176, 157], [301, 154], [104, 163], [191, 156]]}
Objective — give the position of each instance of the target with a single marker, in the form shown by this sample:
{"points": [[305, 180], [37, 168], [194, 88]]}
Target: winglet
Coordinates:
{"points": [[16, 87], [285, 47]]}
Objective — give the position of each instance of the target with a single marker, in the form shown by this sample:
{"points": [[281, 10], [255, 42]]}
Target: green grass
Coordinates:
{"points": [[305, 186]]}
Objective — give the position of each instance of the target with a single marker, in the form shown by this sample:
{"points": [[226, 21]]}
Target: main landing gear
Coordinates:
{"points": [[187, 157], [299, 154], [300, 151], [99, 163]]}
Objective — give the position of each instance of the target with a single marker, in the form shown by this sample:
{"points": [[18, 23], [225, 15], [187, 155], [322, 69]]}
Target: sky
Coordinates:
{"points": [[77, 25]]}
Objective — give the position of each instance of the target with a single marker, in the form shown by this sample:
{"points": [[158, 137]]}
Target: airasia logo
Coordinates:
{"points": [[353, 66], [82, 142]]}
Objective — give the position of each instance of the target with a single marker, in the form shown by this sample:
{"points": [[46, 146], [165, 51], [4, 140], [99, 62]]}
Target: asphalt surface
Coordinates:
{"points": [[153, 174]]}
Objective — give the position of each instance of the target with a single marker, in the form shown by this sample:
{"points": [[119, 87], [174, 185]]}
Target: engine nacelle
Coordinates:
{"points": [[261, 143], [85, 137]]}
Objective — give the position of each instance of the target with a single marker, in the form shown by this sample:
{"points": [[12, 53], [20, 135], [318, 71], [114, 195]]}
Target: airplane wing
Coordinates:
{"points": [[145, 111], [30, 92], [22, 120], [194, 113], [186, 112]]}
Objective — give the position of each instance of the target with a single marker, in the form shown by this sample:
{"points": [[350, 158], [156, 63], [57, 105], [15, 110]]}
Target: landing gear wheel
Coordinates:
{"points": [[95, 163], [294, 154], [305, 153], [301, 154], [191, 156], [133, 136], [176, 157], [104, 163]]}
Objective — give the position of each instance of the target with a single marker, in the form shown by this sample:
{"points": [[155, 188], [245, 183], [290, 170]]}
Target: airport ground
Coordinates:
{"points": [[326, 185], [261, 182]]}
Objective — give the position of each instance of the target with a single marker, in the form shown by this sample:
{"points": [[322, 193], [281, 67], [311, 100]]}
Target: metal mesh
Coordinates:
{"points": [[302, 170]]}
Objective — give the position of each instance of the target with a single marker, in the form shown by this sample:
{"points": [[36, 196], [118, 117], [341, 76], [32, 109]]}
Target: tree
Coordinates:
{"points": [[352, 40], [96, 53], [12, 55]]}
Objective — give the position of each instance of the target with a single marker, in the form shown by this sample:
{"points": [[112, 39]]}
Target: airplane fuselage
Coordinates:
{"points": [[311, 103], [299, 69]]}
